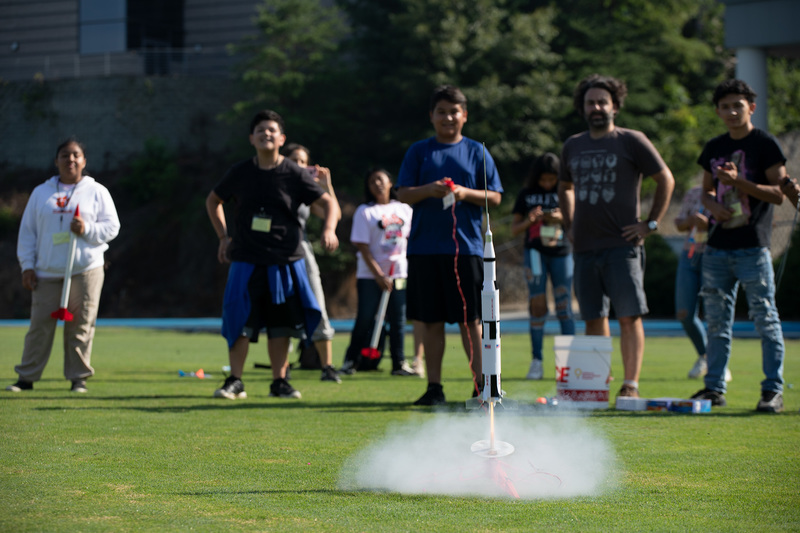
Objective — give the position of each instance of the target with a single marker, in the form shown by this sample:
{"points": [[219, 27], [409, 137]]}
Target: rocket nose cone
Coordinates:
{"points": [[488, 250]]}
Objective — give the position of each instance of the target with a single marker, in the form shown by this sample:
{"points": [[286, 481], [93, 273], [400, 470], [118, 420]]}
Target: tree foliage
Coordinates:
{"points": [[353, 79], [498, 54], [784, 94], [671, 57], [294, 46]]}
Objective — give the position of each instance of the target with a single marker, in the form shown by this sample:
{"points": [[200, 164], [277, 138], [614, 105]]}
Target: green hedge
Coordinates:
{"points": [[661, 264], [787, 293]]}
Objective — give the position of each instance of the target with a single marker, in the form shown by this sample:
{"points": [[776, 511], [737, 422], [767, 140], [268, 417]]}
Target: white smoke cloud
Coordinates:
{"points": [[554, 457]]}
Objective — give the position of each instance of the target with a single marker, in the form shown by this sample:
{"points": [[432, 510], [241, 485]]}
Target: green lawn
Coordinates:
{"points": [[146, 450]]}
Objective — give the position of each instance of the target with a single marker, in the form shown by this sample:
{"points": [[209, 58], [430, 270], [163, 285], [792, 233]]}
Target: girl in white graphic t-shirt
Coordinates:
{"points": [[380, 233]]}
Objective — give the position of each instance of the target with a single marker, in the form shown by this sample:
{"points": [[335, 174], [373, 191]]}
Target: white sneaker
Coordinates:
{"points": [[699, 369], [404, 370], [728, 375], [418, 367], [535, 371]]}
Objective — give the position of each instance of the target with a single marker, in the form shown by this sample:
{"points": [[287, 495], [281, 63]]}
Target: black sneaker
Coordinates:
{"points": [[433, 396], [771, 402], [79, 385], [717, 398], [232, 389], [20, 386], [280, 388], [348, 368], [329, 374]]}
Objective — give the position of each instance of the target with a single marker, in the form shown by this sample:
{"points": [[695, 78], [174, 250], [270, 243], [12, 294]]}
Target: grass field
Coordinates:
{"points": [[146, 450]]}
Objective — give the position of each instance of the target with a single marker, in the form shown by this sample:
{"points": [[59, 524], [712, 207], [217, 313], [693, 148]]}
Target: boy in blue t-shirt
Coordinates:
{"points": [[442, 177]]}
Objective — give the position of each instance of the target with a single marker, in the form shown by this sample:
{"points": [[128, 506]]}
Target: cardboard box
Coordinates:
{"points": [[675, 405], [660, 404], [631, 404], [679, 405], [690, 406]]}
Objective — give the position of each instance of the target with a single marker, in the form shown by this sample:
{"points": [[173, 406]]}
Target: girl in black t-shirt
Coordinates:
{"points": [[547, 253]]}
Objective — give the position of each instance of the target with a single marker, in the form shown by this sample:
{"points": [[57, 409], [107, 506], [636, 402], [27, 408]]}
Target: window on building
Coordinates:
{"points": [[155, 23], [103, 26], [156, 28], [153, 27]]}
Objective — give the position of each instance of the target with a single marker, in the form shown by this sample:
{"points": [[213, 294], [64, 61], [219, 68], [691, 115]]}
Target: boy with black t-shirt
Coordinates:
{"points": [[743, 170], [267, 281]]}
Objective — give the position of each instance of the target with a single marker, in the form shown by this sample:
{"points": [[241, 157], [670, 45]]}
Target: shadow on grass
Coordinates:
{"points": [[71, 401], [535, 410], [362, 407], [343, 407], [735, 413], [266, 491]]}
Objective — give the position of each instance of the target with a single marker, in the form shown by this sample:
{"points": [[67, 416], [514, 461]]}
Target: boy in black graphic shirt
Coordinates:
{"points": [[742, 173]]}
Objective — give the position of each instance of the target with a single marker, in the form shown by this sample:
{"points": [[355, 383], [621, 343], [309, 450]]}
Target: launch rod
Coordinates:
{"points": [[485, 185], [492, 450]]}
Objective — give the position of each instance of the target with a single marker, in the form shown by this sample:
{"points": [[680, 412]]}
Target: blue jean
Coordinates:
{"points": [[369, 296], [560, 269], [723, 270], [688, 281]]}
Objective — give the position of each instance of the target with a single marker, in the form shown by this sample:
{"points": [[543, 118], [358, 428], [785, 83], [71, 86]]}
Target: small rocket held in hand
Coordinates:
{"points": [[62, 313]]}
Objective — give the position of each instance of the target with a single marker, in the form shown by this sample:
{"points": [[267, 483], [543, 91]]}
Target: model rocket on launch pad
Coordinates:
{"points": [[491, 392], [491, 389]]}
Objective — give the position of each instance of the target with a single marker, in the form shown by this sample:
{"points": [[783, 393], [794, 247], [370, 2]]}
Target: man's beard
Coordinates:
{"points": [[599, 120]]}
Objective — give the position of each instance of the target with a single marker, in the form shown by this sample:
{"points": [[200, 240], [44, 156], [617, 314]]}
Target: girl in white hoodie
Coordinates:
{"points": [[43, 252]]}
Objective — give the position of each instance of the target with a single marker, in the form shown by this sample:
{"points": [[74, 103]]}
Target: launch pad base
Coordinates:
{"points": [[484, 448]]}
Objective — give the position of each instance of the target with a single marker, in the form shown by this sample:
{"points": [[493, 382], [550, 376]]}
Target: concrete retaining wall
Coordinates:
{"points": [[112, 116]]}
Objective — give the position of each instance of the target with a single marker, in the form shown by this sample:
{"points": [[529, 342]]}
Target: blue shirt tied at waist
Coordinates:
{"points": [[281, 285]]}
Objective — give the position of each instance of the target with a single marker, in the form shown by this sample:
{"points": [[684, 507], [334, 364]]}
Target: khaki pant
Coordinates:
{"points": [[84, 298]]}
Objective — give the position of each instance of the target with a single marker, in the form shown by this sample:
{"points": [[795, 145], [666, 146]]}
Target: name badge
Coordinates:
{"points": [[61, 237], [448, 200], [548, 232], [261, 223]]}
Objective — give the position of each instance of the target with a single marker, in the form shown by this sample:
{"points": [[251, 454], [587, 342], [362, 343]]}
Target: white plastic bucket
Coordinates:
{"points": [[583, 370]]}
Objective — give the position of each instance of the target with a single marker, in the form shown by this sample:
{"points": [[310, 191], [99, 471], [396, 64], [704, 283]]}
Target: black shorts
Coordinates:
{"points": [[433, 293], [281, 320]]}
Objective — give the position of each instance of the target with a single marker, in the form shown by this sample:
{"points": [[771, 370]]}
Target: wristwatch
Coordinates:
{"points": [[652, 225]]}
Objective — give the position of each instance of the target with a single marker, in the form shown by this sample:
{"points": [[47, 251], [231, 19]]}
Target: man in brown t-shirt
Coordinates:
{"points": [[599, 185]]}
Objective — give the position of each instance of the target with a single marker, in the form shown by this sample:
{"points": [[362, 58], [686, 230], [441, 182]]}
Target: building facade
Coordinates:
{"points": [[63, 39]]}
